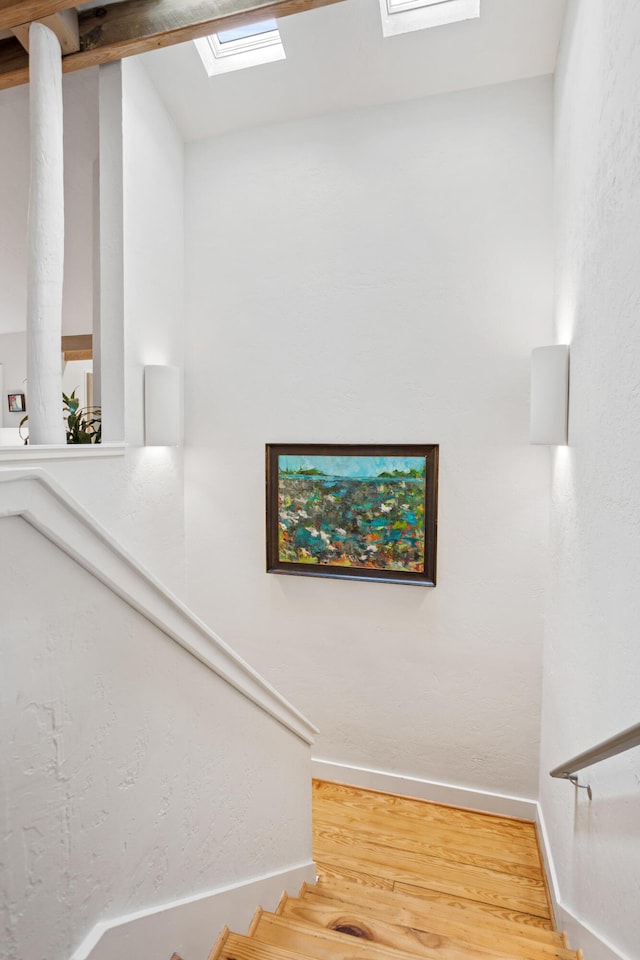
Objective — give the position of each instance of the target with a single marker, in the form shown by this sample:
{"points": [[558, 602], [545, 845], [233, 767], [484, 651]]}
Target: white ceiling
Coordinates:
{"points": [[337, 59]]}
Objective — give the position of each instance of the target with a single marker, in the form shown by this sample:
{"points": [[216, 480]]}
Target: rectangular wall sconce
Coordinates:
{"points": [[549, 395], [162, 406]]}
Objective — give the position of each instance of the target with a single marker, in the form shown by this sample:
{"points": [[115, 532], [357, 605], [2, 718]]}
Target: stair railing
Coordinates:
{"points": [[622, 741]]}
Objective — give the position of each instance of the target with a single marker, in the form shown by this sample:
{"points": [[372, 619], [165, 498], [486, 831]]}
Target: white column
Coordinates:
{"points": [[45, 240]]}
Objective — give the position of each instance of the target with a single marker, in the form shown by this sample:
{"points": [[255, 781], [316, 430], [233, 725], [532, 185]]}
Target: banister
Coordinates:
{"points": [[619, 743], [34, 496]]}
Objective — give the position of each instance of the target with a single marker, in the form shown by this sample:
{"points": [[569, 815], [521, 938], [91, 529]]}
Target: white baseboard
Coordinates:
{"points": [[580, 935], [448, 793], [190, 927]]}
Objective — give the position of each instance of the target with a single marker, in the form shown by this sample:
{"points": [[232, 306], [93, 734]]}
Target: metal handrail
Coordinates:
{"points": [[608, 748]]}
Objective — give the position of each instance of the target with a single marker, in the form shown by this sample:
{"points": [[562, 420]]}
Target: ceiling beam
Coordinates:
{"points": [[63, 24], [137, 26], [14, 64], [130, 27], [13, 13]]}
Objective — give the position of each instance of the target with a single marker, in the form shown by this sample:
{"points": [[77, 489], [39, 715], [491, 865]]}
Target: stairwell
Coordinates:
{"points": [[400, 878]]}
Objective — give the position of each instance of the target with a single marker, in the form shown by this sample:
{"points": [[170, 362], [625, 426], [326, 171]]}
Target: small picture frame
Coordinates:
{"points": [[353, 511], [16, 402]]}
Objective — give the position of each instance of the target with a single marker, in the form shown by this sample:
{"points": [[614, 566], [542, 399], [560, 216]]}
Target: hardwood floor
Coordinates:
{"points": [[400, 878]]}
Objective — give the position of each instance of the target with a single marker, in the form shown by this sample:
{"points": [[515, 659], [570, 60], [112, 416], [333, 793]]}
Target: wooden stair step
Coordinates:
{"points": [[367, 845], [219, 944], [486, 835], [413, 934], [436, 841], [416, 850], [459, 880], [320, 943], [419, 890], [234, 946], [330, 796], [327, 872], [410, 906], [410, 909]]}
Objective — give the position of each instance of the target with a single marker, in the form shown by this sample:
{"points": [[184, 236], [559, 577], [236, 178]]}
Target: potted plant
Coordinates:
{"points": [[82, 424]]}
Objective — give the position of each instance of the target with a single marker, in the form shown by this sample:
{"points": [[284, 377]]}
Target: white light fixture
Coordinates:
{"points": [[162, 406], [549, 394]]}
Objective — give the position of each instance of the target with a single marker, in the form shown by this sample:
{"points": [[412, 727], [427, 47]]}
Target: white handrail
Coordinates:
{"points": [[32, 495]]}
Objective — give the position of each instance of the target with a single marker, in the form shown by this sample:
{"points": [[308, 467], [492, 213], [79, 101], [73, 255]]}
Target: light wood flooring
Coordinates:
{"points": [[400, 878]]}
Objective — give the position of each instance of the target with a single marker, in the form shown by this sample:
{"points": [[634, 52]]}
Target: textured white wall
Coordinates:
{"points": [[131, 775], [81, 145], [380, 275], [138, 498], [153, 238], [592, 658]]}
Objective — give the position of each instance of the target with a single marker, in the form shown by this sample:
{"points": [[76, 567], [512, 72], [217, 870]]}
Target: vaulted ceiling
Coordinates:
{"points": [[337, 59], [336, 55]]}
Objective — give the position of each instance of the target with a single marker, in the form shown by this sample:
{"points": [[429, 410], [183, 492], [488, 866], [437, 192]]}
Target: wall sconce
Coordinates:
{"points": [[549, 395], [162, 407]]}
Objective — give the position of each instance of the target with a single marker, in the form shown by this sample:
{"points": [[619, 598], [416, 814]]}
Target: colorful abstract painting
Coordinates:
{"points": [[361, 512]]}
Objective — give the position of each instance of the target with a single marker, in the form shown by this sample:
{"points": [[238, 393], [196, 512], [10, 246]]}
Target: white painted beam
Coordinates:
{"points": [[45, 240]]}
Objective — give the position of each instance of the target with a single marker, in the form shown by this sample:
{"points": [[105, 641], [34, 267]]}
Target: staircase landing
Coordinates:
{"points": [[401, 878]]}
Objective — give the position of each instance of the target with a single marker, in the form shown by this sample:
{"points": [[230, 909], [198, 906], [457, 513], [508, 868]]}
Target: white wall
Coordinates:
{"points": [[153, 238], [592, 658], [138, 497], [380, 275], [132, 775], [81, 146], [13, 357], [14, 198]]}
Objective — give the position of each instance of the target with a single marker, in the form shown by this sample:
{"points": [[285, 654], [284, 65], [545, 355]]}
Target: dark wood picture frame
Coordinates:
{"points": [[378, 517]]}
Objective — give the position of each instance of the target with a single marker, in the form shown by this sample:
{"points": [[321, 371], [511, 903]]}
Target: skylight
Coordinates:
{"points": [[238, 47], [249, 30], [403, 16]]}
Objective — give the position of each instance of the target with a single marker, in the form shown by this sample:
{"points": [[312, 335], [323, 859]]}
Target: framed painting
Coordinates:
{"points": [[356, 511], [16, 402]]}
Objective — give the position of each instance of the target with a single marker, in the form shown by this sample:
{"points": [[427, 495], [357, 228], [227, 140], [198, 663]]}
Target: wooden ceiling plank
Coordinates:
{"points": [[78, 355], [77, 341], [137, 26], [131, 27], [13, 13], [21, 33]]}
